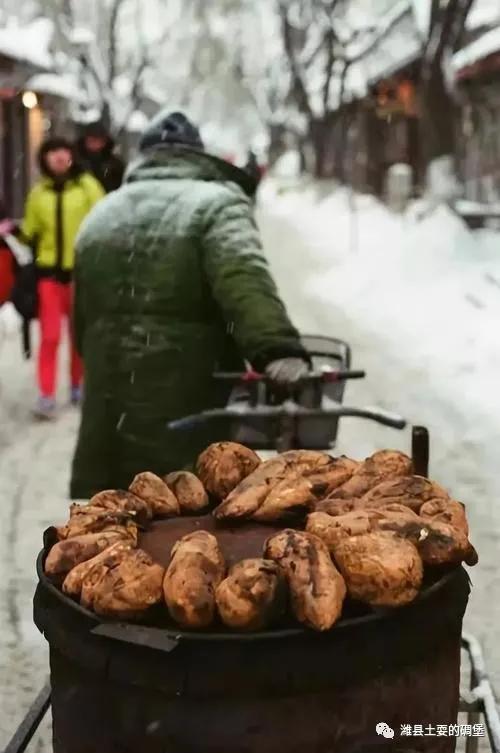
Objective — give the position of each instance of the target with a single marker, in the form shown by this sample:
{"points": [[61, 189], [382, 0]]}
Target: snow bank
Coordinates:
{"points": [[30, 43], [483, 13], [427, 283], [64, 86], [10, 322], [488, 44], [137, 122]]}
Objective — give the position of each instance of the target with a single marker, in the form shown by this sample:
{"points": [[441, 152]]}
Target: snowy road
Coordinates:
{"points": [[34, 466]]}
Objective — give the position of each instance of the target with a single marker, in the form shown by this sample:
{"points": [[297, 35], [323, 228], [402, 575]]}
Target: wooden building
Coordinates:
{"points": [[27, 114], [477, 69]]}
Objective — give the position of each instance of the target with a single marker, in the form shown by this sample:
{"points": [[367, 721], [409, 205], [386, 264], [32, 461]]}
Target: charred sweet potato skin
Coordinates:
{"points": [[67, 554], [153, 490], [253, 596], [223, 465], [411, 491], [385, 465], [188, 490], [381, 569], [128, 589], [116, 500], [317, 590], [196, 569], [73, 582]]}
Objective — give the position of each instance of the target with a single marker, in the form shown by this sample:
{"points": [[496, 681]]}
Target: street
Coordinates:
{"points": [[34, 468]]}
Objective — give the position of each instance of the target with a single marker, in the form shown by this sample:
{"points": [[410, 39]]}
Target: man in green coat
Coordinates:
{"points": [[171, 286]]}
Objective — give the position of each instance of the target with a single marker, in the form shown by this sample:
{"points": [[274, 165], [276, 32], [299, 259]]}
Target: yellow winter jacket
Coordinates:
{"points": [[53, 217]]}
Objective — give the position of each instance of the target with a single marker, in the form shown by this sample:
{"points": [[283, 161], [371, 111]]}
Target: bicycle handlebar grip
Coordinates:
{"points": [[339, 376], [184, 424], [314, 376], [389, 419]]}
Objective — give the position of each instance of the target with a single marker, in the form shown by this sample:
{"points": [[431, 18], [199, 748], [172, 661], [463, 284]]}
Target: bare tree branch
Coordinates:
{"points": [[460, 23], [298, 85], [135, 92], [113, 40], [330, 62]]}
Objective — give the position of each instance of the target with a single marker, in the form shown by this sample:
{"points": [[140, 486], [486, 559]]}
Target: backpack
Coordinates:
{"points": [[23, 292]]}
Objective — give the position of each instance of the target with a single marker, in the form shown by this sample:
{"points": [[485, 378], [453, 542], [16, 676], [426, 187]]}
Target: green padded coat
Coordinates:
{"points": [[170, 286]]}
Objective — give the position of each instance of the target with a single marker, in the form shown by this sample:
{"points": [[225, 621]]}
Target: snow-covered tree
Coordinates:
{"points": [[108, 46], [322, 41], [442, 24]]}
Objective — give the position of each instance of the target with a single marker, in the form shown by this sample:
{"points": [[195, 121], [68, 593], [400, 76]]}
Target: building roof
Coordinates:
{"points": [[488, 44], [58, 85], [29, 43]]}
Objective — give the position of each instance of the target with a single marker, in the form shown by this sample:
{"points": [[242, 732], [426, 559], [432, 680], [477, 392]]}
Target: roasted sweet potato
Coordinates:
{"points": [[196, 569], [120, 501], [411, 491], [401, 520], [250, 493], [382, 466], [304, 461], [317, 589], [153, 490], [292, 495], [336, 506], [329, 477], [281, 473], [67, 554], [332, 530], [396, 518], [446, 545], [74, 580], [128, 589], [188, 490], [223, 466], [253, 596], [381, 569], [85, 519], [446, 511]]}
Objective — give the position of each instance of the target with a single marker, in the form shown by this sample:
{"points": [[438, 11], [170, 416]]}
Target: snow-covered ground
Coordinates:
{"points": [[431, 286], [419, 303]]}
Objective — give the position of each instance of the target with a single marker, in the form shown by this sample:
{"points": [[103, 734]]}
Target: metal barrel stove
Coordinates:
{"points": [[128, 688], [124, 689]]}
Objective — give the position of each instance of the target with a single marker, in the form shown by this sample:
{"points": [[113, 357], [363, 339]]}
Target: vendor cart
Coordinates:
{"points": [[118, 688]]}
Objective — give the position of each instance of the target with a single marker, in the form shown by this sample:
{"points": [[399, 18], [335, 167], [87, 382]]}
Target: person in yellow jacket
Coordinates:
{"points": [[55, 209]]}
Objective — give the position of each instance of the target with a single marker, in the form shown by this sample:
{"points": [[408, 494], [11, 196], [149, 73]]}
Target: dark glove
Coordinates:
{"points": [[287, 372]]}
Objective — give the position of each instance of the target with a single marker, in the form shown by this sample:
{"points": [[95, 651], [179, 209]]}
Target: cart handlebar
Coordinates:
{"points": [[288, 409], [325, 377]]}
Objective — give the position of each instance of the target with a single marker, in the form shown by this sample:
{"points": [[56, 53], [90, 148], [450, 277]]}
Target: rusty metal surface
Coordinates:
{"points": [[303, 692], [92, 717]]}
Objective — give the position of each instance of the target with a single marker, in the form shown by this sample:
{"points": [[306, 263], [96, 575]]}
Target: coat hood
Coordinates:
{"points": [[51, 145], [95, 129], [182, 162]]}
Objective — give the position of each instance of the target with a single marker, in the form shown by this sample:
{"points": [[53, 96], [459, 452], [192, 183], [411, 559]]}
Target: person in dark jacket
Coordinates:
{"points": [[171, 286], [252, 166], [96, 152]]}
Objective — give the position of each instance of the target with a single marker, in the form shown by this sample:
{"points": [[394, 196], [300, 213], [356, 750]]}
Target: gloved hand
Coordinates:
{"points": [[287, 372]]}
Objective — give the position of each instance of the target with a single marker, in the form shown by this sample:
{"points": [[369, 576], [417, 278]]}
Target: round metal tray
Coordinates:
{"points": [[169, 630]]}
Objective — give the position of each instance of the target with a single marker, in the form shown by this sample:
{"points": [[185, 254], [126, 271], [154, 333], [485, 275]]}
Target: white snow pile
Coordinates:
{"points": [[29, 43], [482, 13], [487, 44], [59, 85], [427, 286], [10, 322]]}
